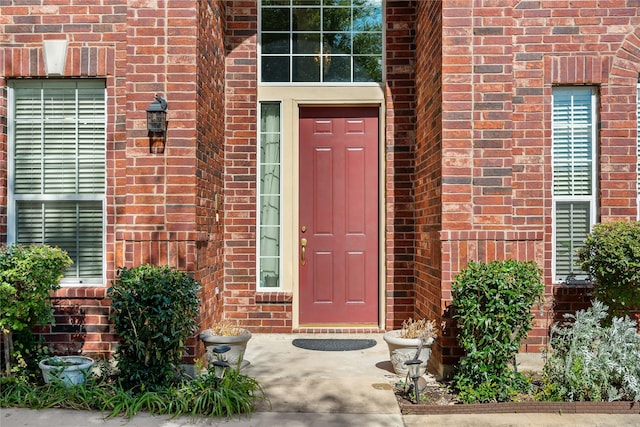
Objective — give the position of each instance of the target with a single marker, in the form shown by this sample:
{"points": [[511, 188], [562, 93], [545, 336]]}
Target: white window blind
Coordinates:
{"points": [[573, 176], [58, 170]]}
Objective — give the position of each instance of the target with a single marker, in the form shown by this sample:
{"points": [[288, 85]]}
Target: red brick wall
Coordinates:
{"points": [[97, 49], [156, 184], [500, 61], [210, 214], [159, 184], [400, 79], [467, 142], [264, 311], [556, 43], [160, 200], [428, 160], [271, 312], [81, 323], [239, 294]]}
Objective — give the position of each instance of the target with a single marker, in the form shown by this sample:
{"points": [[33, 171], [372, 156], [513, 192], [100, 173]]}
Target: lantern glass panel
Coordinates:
{"points": [[155, 121]]}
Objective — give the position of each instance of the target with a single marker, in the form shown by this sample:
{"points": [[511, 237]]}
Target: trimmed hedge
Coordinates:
{"points": [[492, 304], [155, 311]]}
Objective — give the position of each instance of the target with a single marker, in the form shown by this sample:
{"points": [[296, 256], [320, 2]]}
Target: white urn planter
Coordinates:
{"points": [[403, 349], [71, 370], [237, 344]]}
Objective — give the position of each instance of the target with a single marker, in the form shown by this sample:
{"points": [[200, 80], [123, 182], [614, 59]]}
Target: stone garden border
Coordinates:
{"points": [[523, 407]]}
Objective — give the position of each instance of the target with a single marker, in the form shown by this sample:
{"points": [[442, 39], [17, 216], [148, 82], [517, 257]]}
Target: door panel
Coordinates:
{"points": [[338, 215]]}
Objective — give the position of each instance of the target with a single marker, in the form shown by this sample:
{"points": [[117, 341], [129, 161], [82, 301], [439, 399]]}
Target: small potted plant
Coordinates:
{"points": [[227, 334], [404, 343], [70, 370]]}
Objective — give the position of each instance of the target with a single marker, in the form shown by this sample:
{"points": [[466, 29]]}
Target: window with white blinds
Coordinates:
{"points": [[574, 176], [57, 170]]}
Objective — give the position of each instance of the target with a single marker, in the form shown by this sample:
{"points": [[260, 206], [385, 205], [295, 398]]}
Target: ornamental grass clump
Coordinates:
{"points": [[225, 328], [422, 328], [492, 305], [591, 359], [205, 395]]}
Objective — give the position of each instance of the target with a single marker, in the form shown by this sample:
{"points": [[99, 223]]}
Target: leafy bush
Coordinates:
{"points": [[28, 275], [611, 255], [155, 311], [492, 304], [590, 361]]}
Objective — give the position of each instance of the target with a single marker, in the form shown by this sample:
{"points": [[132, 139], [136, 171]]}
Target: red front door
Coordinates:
{"points": [[338, 234]]}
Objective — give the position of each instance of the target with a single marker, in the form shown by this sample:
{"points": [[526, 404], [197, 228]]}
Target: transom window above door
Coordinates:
{"points": [[321, 41]]}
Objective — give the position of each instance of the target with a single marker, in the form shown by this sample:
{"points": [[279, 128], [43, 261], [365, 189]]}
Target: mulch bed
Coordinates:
{"points": [[522, 407], [440, 401]]}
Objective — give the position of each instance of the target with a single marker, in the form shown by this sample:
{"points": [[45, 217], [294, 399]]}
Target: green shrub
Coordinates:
{"points": [[155, 310], [28, 275], [611, 256], [492, 304], [591, 361]]}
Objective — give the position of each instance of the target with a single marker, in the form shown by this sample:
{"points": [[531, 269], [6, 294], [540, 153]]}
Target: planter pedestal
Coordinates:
{"points": [[403, 349], [238, 345]]}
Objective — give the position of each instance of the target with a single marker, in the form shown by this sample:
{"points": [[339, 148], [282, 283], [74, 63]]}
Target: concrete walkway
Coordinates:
{"points": [[318, 389]]}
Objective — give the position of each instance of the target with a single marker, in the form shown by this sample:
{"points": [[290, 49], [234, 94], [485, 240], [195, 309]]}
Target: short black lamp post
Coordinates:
{"points": [[413, 366], [220, 364]]}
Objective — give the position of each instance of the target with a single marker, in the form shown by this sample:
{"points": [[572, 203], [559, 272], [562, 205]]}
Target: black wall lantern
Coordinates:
{"points": [[157, 117]]}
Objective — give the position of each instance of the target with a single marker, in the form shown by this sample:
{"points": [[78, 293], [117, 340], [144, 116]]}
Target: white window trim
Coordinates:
{"points": [[594, 174], [292, 98]]}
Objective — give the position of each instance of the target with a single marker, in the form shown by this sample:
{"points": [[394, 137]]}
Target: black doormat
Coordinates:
{"points": [[341, 344]]}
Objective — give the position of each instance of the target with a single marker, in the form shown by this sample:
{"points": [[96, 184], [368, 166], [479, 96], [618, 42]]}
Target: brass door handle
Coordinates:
{"points": [[303, 250]]}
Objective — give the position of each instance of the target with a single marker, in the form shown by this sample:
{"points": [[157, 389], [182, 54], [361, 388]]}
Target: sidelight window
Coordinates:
{"points": [[270, 196]]}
